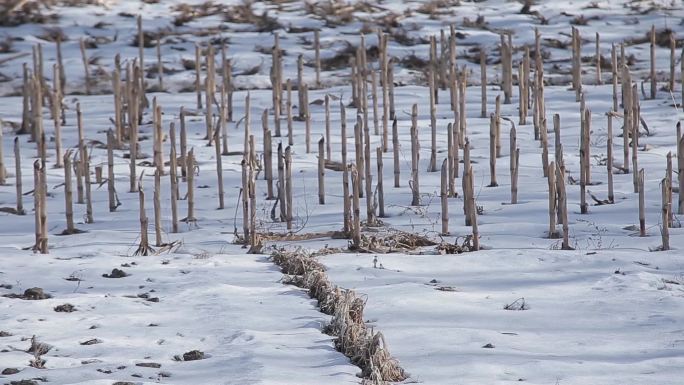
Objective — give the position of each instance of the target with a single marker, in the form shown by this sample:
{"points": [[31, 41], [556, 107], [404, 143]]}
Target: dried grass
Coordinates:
{"points": [[296, 262], [244, 14], [38, 349], [583, 20], [401, 36], [334, 13], [395, 241], [362, 345], [342, 58], [190, 12], [18, 12], [290, 237], [478, 23], [662, 39], [52, 34], [413, 62], [149, 39], [438, 7], [455, 248]]}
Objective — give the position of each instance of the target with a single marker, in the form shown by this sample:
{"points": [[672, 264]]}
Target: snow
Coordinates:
{"points": [[230, 306], [608, 312], [603, 318]]}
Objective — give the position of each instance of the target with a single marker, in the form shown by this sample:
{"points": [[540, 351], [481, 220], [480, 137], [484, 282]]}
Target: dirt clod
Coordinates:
{"points": [[193, 355], [32, 294], [35, 293], [66, 308], [148, 365], [10, 371], [116, 273]]}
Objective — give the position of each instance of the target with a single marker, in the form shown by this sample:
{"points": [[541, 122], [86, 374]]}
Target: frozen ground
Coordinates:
{"points": [[609, 312]]}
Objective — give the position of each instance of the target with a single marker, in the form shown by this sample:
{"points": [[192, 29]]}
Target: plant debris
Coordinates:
{"points": [[9, 371], [365, 347], [148, 365], [393, 242], [116, 273], [66, 308], [518, 304], [193, 355], [32, 294]]}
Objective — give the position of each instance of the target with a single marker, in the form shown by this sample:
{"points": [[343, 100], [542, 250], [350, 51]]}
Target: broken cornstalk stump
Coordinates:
{"points": [[609, 156], [642, 203], [664, 227], [268, 164], [415, 157], [86, 70], [563, 204], [288, 186], [173, 179], [144, 247], [321, 171], [356, 213], [380, 189], [395, 154], [219, 169], [68, 196], [654, 83], [492, 151], [433, 123], [514, 155], [483, 82], [3, 171], [346, 215], [111, 190], [85, 169], [157, 209], [190, 181], [552, 199], [443, 197], [281, 183]]}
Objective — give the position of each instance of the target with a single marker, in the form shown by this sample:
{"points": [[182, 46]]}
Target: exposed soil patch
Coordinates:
{"points": [[93, 341], [116, 273], [193, 355], [32, 294], [65, 308], [148, 365]]}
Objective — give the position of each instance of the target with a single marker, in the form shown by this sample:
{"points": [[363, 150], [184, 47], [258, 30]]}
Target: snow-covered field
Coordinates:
{"points": [[608, 312], [612, 317]]}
